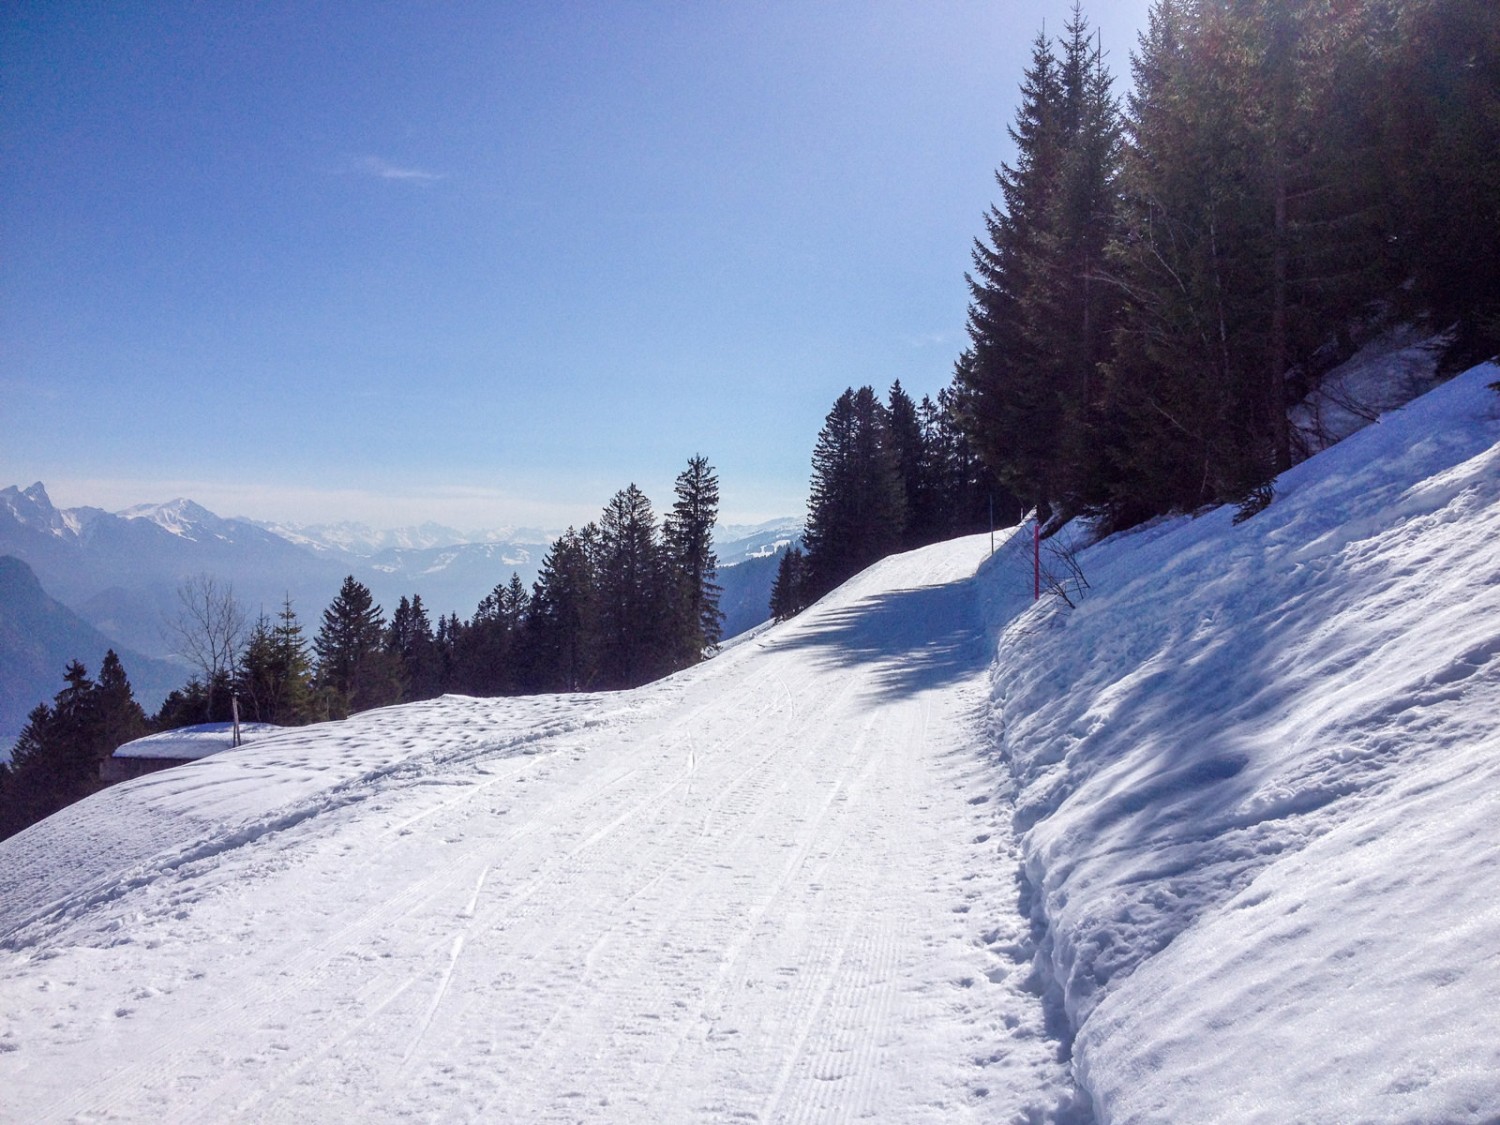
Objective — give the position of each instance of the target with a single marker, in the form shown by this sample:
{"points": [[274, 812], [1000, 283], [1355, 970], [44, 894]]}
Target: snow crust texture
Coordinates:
{"points": [[1258, 777], [778, 887]]}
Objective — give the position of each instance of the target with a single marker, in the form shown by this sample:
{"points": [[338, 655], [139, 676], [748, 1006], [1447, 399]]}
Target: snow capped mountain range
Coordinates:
{"points": [[183, 518], [120, 571], [362, 541], [32, 508]]}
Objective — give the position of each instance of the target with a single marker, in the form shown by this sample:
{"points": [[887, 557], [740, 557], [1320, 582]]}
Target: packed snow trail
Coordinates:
{"points": [[774, 888]]}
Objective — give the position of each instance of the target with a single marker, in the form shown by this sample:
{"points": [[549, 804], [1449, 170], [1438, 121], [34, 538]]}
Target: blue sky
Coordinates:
{"points": [[482, 263]]}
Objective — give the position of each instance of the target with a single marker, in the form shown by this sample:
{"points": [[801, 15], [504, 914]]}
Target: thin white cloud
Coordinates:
{"points": [[384, 170], [927, 340]]}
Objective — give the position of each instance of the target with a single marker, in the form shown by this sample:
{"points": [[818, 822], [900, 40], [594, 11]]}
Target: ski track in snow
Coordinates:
{"points": [[773, 888]]}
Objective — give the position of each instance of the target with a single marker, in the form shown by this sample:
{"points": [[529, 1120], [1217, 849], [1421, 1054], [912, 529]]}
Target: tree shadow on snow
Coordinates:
{"points": [[919, 639]]}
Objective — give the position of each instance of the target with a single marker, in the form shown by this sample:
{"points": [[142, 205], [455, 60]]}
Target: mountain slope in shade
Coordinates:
{"points": [[745, 593], [121, 574], [39, 636]]}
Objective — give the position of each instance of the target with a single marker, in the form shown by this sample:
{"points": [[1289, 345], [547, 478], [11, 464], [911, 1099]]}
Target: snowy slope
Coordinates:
{"points": [[1220, 842], [1259, 783], [774, 887]]}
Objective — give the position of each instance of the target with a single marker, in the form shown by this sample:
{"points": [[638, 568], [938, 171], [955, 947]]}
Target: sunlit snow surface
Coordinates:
{"points": [[776, 887], [1255, 775]]}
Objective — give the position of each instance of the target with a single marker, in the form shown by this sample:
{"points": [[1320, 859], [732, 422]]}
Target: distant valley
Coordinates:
{"points": [[118, 573]]}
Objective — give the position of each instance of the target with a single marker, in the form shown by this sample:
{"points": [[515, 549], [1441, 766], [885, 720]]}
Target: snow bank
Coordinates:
{"points": [[1258, 775]]}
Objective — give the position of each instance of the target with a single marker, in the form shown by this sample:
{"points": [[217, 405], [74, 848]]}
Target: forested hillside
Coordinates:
{"points": [[1162, 278]]}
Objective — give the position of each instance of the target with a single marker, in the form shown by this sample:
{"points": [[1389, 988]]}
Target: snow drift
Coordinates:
{"points": [[1258, 775]]}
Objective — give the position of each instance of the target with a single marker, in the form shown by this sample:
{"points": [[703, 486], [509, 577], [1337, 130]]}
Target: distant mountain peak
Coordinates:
{"points": [[181, 517], [32, 507]]}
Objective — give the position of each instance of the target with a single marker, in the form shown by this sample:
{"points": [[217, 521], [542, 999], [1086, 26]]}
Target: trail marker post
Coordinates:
{"points": [[1036, 559]]}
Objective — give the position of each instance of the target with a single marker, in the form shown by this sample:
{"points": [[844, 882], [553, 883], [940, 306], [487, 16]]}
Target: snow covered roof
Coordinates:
{"points": [[190, 743]]}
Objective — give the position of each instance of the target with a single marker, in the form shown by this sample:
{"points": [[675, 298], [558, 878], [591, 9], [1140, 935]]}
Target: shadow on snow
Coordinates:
{"points": [[919, 639]]}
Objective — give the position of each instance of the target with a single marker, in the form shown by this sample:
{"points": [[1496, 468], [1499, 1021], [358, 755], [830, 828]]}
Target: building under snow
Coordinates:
{"points": [[177, 748]]}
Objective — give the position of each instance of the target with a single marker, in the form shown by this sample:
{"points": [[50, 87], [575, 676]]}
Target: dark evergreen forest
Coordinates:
{"points": [[1160, 280], [1164, 276]]}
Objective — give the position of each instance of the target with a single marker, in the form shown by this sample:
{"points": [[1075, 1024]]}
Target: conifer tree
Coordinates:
{"points": [[789, 592], [688, 553], [1435, 157], [631, 625], [1009, 407], [1236, 243], [908, 447], [354, 671], [488, 650], [274, 680], [856, 504], [561, 615], [514, 602], [1073, 313], [409, 643], [446, 641], [57, 757], [120, 717]]}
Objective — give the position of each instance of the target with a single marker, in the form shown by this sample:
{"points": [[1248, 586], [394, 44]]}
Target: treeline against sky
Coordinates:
{"points": [[886, 477], [1160, 280]]}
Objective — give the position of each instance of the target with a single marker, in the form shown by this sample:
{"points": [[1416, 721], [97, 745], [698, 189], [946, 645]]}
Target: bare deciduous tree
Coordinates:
{"points": [[208, 629]]}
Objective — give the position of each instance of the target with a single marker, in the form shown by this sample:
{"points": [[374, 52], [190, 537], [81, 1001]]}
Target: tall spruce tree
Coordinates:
{"points": [[688, 553], [354, 671], [909, 448], [559, 656], [1188, 366], [1074, 312], [409, 643], [1009, 408], [856, 503], [632, 626], [1040, 318]]}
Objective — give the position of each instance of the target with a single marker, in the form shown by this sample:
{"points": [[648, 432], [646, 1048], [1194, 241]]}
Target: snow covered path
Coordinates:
{"points": [[774, 888]]}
